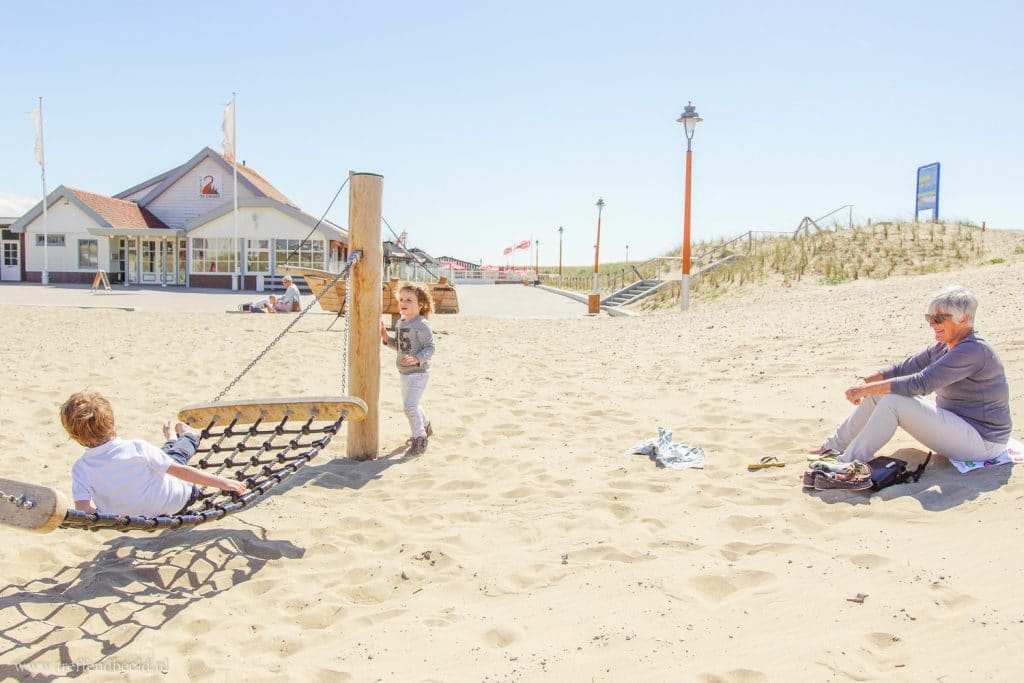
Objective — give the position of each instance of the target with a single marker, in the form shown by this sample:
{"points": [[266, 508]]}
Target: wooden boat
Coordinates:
{"points": [[446, 300]]}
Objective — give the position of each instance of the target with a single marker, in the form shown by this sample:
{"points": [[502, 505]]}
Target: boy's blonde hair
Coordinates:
{"points": [[423, 297], [88, 418]]}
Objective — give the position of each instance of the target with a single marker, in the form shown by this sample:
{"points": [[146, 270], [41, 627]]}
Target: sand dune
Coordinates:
{"points": [[524, 545]]}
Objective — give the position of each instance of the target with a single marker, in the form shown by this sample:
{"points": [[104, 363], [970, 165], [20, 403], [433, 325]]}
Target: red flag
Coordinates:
{"points": [[508, 250], [525, 244]]}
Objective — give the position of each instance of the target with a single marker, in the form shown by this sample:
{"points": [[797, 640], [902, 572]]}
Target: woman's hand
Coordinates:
{"points": [[855, 393]]}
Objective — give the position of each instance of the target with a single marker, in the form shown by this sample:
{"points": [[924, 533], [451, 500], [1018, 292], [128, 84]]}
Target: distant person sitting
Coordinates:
{"points": [[264, 305], [289, 301]]}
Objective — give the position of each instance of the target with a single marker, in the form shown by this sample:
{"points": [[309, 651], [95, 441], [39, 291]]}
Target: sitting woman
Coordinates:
{"points": [[971, 415]]}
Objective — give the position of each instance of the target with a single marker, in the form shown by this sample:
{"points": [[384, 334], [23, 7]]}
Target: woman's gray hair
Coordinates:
{"points": [[956, 300]]}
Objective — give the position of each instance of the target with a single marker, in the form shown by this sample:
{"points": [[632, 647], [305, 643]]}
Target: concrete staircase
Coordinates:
{"points": [[634, 292]]}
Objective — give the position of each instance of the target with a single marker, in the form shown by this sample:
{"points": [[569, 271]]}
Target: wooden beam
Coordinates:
{"points": [[366, 192], [326, 409], [42, 511]]}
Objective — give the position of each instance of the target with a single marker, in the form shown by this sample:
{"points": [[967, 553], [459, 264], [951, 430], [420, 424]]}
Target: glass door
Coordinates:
{"points": [[11, 270], [132, 259], [148, 260], [165, 266]]}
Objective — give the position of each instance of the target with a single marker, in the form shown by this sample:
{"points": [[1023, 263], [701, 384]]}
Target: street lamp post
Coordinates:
{"points": [[594, 300], [627, 254], [560, 229], [536, 261], [689, 119]]}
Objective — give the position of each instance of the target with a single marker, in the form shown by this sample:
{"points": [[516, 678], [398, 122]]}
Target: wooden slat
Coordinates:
{"points": [[327, 408], [47, 512]]}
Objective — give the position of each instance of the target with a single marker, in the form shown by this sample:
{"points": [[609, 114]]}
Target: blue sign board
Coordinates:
{"points": [[927, 190]]}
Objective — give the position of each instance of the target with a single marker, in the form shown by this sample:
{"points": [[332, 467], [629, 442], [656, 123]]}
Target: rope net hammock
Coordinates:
{"points": [[259, 442]]}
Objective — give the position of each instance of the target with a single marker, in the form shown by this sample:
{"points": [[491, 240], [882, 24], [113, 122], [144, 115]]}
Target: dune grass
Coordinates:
{"points": [[826, 256]]}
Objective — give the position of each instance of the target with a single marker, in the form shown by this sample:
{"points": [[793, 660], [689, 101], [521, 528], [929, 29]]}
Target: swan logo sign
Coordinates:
{"points": [[208, 187]]}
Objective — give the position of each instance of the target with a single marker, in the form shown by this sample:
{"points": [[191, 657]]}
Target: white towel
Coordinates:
{"points": [[1014, 453], [668, 454]]}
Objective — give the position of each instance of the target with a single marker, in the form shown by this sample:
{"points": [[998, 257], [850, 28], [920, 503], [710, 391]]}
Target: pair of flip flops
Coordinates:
{"points": [[829, 454], [766, 462]]}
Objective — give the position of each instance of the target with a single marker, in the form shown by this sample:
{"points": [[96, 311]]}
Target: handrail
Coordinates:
{"points": [[844, 206]]}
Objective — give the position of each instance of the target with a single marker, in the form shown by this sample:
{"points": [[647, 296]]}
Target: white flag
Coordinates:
{"points": [[37, 118], [229, 130]]}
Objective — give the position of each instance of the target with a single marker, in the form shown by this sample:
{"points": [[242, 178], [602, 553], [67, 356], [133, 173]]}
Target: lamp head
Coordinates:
{"points": [[689, 118], [600, 203]]}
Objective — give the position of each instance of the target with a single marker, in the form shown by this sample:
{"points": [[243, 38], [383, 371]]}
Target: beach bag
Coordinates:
{"points": [[886, 471]]}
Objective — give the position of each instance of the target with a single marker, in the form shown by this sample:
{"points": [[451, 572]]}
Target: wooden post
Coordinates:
{"points": [[364, 314]]}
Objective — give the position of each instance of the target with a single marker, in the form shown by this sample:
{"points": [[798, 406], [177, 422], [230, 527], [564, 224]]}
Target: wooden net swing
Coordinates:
{"points": [[259, 442]]}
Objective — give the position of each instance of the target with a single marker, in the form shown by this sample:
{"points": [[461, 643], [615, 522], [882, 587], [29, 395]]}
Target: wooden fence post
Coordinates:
{"points": [[364, 313]]}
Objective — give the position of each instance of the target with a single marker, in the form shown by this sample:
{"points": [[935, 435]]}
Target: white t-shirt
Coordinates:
{"points": [[128, 478]]}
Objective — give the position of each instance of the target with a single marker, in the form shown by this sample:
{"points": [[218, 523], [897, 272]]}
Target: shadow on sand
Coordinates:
{"points": [[80, 619], [941, 487]]}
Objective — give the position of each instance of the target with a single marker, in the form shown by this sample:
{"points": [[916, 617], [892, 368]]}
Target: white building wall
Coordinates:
{"points": [[257, 223], [183, 201], [68, 220]]}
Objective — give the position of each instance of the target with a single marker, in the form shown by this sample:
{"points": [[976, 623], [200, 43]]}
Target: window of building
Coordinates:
{"points": [[213, 255], [88, 253], [309, 255], [52, 240], [257, 256]]}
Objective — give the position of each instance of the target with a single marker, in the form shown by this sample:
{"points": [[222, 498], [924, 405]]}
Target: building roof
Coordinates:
{"points": [[118, 213], [248, 177], [107, 212]]}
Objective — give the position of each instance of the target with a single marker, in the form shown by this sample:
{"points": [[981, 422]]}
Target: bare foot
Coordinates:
{"points": [[817, 451], [167, 429], [182, 428]]}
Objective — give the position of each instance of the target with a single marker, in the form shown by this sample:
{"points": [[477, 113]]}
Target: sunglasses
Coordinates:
{"points": [[937, 318]]}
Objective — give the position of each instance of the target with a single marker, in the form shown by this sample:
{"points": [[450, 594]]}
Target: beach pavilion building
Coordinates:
{"points": [[175, 229]]}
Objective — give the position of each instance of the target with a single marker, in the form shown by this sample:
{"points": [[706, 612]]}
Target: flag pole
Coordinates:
{"points": [[236, 280], [42, 165]]}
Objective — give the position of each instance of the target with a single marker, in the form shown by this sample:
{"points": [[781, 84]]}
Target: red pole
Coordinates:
{"points": [[594, 300]]}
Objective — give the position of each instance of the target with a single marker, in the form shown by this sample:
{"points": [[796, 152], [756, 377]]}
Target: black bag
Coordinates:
{"points": [[886, 471]]}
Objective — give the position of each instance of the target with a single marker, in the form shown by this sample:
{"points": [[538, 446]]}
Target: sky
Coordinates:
{"points": [[494, 123]]}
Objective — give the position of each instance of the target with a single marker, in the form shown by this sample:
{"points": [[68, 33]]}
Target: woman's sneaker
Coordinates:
{"points": [[419, 445], [429, 428]]}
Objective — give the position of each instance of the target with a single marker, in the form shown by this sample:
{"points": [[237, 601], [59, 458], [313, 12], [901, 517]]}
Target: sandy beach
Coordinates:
{"points": [[524, 545]]}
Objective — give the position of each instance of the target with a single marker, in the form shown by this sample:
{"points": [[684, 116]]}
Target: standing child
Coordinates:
{"points": [[131, 477], [414, 341]]}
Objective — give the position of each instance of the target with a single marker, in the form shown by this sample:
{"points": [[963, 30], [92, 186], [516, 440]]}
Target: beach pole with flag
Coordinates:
{"points": [[37, 117], [229, 153]]}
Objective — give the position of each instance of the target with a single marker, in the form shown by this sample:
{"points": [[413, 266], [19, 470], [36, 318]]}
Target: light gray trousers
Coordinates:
{"points": [[873, 422], [413, 386]]}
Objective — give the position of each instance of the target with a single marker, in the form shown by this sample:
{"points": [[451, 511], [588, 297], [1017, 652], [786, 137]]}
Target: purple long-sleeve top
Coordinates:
{"points": [[968, 380]]}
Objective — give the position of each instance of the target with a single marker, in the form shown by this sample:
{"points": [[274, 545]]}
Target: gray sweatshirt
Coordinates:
{"points": [[968, 380], [413, 338]]}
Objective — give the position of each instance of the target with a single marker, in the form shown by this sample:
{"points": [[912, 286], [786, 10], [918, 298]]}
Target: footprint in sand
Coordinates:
{"points": [[717, 588]]}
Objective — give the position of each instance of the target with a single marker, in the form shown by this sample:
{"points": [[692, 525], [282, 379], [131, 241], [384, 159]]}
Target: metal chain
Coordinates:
{"points": [[344, 343], [352, 258], [20, 501]]}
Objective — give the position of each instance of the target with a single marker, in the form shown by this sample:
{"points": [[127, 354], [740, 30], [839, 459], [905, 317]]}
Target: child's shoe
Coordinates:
{"points": [[419, 445], [429, 428]]}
